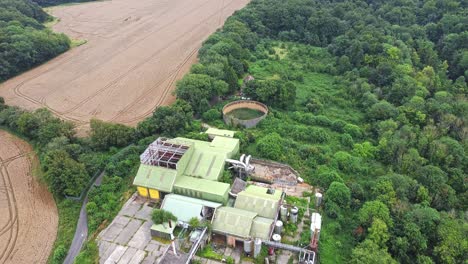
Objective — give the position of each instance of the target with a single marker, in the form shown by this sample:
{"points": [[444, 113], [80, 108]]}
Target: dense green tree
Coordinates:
{"points": [[453, 245], [198, 89], [369, 252], [65, 175], [105, 135], [374, 210], [339, 194], [270, 146], [24, 41]]}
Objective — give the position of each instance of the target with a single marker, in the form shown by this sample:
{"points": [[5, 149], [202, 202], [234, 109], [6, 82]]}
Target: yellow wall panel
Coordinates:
{"points": [[154, 194], [142, 191]]}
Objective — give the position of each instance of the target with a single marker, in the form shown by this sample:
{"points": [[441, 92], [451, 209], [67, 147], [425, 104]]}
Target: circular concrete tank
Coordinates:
{"points": [[233, 120]]}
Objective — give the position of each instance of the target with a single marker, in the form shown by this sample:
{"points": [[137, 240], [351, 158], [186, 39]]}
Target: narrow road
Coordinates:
{"points": [[81, 233]]}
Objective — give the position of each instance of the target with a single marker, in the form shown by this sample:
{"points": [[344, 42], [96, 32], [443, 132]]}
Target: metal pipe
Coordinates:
{"points": [[247, 160], [242, 158], [236, 163]]}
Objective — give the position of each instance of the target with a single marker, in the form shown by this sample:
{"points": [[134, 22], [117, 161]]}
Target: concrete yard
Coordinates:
{"points": [[127, 239]]}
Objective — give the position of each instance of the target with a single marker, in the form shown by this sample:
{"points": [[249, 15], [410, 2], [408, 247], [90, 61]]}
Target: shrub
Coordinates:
{"points": [[160, 216], [324, 179], [211, 115], [339, 194], [270, 146]]}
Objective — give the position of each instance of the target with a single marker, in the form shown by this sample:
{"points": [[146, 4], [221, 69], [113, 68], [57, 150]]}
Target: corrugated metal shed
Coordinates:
{"points": [[184, 208], [233, 221], [202, 189], [256, 199], [162, 230], [261, 227], [155, 177]]}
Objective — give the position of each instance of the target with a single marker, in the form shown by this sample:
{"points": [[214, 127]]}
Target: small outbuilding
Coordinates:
{"points": [[186, 208]]}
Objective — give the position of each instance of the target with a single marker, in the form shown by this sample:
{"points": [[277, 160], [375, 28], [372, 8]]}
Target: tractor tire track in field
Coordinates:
{"points": [[141, 64], [172, 76], [28, 216], [12, 226], [42, 102], [134, 49]]}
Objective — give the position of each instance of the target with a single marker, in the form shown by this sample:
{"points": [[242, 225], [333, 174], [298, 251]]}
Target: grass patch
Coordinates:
{"points": [[209, 253], [245, 113], [51, 22], [89, 255], [69, 212], [77, 42]]}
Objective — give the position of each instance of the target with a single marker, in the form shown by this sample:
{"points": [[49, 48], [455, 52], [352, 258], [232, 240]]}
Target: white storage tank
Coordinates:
{"points": [[318, 199], [276, 238], [278, 227], [248, 246], [293, 214], [284, 213], [315, 225], [257, 247]]}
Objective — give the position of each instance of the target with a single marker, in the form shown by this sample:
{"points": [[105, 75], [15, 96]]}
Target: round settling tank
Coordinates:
{"points": [[293, 214], [278, 227], [244, 113]]}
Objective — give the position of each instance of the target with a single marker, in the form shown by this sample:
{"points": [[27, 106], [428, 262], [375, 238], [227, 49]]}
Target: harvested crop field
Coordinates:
{"points": [[135, 52], [28, 215]]}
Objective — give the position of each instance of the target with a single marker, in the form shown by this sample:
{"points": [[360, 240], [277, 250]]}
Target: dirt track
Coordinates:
{"points": [[28, 215], [136, 50]]}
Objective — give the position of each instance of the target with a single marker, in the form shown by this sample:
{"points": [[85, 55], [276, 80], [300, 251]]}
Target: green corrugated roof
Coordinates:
{"points": [[262, 192], [184, 208], [206, 161], [256, 199], [155, 177], [233, 221], [213, 187], [230, 144], [220, 132], [261, 227], [206, 164]]}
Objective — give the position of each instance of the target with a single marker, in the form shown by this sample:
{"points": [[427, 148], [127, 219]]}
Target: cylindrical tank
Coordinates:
{"points": [[293, 214], [284, 213], [318, 199], [278, 227], [248, 246], [257, 247], [276, 238]]}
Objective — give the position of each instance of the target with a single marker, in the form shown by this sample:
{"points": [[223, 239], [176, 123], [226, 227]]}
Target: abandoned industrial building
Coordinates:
{"points": [[184, 176]]}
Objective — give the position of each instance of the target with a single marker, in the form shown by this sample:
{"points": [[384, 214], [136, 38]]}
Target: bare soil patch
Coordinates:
{"points": [[28, 215], [135, 52]]}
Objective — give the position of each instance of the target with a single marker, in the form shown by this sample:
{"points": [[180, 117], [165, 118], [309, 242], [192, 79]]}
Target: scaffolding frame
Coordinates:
{"points": [[162, 153]]}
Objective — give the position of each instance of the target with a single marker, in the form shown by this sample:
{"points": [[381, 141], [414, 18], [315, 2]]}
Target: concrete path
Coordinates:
{"points": [[81, 233], [127, 240]]}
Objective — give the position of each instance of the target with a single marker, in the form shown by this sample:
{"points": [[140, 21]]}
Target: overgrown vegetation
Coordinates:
{"points": [[367, 101], [209, 253]]}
